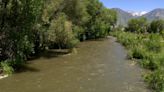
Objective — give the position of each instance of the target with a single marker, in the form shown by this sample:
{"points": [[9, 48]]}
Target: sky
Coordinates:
{"points": [[134, 5]]}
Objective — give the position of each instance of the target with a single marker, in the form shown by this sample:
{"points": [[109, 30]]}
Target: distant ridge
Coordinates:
{"points": [[155, 14], [125, 16]]}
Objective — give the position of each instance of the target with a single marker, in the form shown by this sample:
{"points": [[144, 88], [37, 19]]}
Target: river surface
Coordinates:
{"points": [[98, 66]]}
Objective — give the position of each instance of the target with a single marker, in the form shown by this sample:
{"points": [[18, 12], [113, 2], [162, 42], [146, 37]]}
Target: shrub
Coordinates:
{"points": [[156, 80], [60, 33], [150, 64], [6, 67], [156, 26], [154, 43], [138, 52], [138, 25]]}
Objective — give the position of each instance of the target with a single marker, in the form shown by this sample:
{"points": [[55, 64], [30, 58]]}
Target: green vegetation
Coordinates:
{"points": [[6, 67], [147, 48], [157, 26], [28, 27], [137, 25]]}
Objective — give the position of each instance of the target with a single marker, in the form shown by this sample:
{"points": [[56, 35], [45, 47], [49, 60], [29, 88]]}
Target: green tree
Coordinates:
{"points": [[156, 26], [60, 33], [76, 10], [17, 20], [138, 25], [101, 21]]}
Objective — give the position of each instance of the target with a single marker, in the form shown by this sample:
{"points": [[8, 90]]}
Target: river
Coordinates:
{"points": [[98, 66]]}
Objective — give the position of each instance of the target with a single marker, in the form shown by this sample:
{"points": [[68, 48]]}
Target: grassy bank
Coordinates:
{"points": [[148, 49]]}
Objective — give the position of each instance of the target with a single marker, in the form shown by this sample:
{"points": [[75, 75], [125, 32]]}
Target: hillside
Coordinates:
{"points": [[155, 14], [123, 16]]}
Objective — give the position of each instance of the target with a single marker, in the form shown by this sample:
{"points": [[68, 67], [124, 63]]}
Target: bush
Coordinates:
{"points": [[156, 26], [156, 80], [79, 32], [60, 33], [138, 25], [6, 67], [139, 53], [150, 64], [154, 43]]}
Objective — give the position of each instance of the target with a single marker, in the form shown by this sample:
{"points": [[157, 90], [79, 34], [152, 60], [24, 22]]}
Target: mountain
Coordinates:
{"points": [[125, 16], [155, 14]]}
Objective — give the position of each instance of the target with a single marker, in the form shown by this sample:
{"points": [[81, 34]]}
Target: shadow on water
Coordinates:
{"points": [[26, 68], [54, 53], [48, 54], [99, 39]]}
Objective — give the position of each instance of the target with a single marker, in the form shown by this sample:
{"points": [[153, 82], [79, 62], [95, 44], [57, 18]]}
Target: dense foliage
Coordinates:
{"points": [[141, 25], [149, 50], [137, 25], [147, 47], [157, 26], [28, 27], [17, 21]]}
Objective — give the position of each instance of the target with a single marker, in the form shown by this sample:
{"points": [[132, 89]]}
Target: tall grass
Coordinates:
{"points": [[149, 50]]}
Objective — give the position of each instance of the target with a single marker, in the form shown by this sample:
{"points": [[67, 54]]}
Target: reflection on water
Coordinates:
{"points": [[98, 66]]}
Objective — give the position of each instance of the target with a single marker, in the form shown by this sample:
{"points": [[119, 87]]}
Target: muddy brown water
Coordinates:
{"points": [[98, 66]]}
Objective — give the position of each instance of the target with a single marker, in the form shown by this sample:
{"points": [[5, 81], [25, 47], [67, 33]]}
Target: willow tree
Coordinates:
{"points": [[17, 19], [60, 34], [138, 25], [156, 26]]}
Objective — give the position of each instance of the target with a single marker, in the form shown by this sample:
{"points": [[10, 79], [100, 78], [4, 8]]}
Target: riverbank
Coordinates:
{"points": [[148, 49]]}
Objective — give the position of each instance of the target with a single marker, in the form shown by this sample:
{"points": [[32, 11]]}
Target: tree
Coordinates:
{"points": [[60, 33], [156, 26], [137, 25], [76, 10], [101, 20], [17, 19]]}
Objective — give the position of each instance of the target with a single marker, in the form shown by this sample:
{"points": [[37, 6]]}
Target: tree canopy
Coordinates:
{"points": [[138, 25], [156, 26]]}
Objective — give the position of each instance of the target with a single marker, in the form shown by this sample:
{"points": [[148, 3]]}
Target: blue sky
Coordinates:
{"points": [[134, 5]]}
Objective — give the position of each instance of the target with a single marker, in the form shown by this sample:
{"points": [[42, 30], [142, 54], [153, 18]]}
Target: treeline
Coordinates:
{"points": [[141, 25], [145, 43], [28, 27]]}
